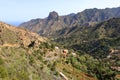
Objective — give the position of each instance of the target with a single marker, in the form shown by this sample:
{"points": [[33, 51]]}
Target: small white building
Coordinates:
{"points": [[74, 54]]}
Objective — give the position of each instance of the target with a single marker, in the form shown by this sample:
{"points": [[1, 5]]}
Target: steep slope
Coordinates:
{"points": [[55, 25]]}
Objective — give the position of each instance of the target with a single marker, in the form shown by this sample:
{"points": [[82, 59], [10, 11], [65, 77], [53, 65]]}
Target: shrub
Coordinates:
{"points": [[3, 72], [1, 61], [31, 58]]}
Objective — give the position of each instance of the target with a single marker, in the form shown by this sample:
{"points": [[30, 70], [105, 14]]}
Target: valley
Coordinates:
{"points": [[82, 46]]}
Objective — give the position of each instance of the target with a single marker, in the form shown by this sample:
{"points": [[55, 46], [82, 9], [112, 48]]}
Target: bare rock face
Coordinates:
{"points": [[10, 35]]}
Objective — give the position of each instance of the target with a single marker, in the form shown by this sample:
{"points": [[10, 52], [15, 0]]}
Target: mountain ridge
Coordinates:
{"points": [[53, 23]]}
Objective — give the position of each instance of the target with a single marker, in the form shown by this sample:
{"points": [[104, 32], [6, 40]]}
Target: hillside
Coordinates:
{"points": [[91, 39], [55, 25], [10, 35], [16, 45], [101, 41], [26, 56]]}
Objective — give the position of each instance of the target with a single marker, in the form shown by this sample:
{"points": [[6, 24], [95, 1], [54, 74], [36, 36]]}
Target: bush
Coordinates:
{"points": [[1, 61], [31, 58], [3, 72], [40, 58], [22, 75]]}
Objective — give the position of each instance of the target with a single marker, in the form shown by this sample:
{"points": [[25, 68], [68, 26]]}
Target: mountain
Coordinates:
{"points": [[55, 25]]}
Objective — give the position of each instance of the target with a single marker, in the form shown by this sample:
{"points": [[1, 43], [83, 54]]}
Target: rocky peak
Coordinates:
{"points": [[53, 15]]}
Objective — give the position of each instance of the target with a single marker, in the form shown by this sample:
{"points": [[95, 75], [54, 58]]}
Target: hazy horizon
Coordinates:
{"points": [[19, 11], [14, 23]]}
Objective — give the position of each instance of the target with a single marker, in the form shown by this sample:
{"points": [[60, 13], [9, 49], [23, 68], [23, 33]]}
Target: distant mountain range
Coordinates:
{"points": [[55, 25]]}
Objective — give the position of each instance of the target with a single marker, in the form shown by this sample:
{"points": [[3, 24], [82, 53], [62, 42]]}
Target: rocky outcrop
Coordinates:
{"points": [[53, 16]]}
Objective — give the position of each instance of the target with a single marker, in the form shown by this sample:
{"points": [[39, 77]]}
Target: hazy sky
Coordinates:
{"points": [[24, 10]]}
